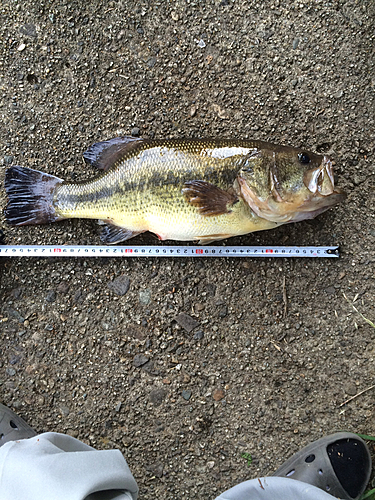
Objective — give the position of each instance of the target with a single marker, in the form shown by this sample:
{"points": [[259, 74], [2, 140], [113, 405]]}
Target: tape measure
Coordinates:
{"points": [[166, 251]]}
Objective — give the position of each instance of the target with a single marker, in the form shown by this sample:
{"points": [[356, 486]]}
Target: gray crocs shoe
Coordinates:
{"points": [[339, 464], [13, 427]]}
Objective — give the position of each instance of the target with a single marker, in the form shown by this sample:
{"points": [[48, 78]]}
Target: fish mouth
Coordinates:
{"points": [[320, 195], [317, 205], [321, 184], [320, 180]]}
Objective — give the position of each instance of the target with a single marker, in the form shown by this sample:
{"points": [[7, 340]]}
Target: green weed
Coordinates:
{"points": [[248, 457]]}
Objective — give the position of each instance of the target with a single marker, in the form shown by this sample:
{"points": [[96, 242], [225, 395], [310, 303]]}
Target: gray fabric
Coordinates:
{"points": [[54, 466], [274, 488]]}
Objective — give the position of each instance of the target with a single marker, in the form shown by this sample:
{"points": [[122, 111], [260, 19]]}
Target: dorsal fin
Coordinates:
{"points": [[103, 155]]}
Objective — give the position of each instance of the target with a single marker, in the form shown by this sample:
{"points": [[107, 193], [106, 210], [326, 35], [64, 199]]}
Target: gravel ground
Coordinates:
{"points": [[185, 365]]}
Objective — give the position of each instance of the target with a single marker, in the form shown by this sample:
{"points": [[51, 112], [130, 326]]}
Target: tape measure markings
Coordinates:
{"points": [[166, 251]]}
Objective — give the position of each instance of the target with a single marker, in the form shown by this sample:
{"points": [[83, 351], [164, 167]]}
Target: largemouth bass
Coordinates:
{"points": [[201, 190]]}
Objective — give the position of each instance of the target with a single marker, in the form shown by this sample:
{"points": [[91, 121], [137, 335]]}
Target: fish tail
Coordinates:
{"points": [[30, 196]]}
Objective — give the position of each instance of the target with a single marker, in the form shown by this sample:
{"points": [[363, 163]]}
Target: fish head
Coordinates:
{"points": [[284, 184]]}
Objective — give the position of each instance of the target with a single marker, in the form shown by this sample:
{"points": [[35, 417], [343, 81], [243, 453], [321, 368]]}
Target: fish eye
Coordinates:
{"points": [[304, 158]]}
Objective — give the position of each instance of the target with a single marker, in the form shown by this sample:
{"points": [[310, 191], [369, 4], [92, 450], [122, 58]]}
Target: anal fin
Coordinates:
{"points": [[206, 240], [111, 234]]}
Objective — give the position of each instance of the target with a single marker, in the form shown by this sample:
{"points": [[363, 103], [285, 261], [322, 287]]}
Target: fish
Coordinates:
{"points": [[200, 190]]}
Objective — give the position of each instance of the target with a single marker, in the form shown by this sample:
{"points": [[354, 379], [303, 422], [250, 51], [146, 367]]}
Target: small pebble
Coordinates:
{"points": [[295, 43], [186, 395], [156, 469], [193, 110], [140, 360], [351, 390], [120, 286], [28, 29], [8, 160], [145, 296], [21, 47], [218, 394], [79, 296], [17, 293], [64, 410], [198, 335], [16, 314], [51, 296], [157, 396], [357, 179], [15, 359], [211, 289], [187, 322], [63, 287], [223, 311]]}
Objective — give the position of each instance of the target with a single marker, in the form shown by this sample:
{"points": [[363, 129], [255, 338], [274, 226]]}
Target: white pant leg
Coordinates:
{"points": [[274, 488], [55, 466]]}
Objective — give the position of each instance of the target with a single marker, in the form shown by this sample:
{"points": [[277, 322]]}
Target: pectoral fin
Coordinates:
{"points": [[103, 155], [209, 199], [112, 234]]}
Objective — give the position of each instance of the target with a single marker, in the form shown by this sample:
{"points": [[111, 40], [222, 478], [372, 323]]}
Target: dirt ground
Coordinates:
{"points": [[119, 370]]}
